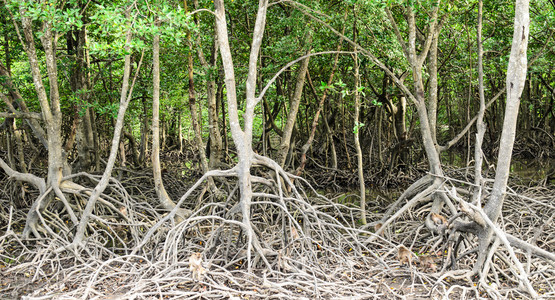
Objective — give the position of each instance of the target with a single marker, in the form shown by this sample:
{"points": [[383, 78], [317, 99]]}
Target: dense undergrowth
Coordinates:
{"points": [[315, 245]]}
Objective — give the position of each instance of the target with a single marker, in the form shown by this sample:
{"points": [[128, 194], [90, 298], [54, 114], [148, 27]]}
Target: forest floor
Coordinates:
{"points": [[336, 261]]}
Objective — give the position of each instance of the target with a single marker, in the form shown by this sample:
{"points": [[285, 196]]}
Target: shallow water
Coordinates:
{"points": [[525, 169]]}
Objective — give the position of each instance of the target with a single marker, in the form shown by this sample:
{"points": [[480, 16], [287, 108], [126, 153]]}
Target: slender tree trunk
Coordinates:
{"points": [[433, 91], [123, 156], [180, 130], [19, 147], [193, 107], [132, 146], [165, 200], [379, 139], [515, 81], [329, 134], [164, 133], [96, 141], [17, 99], [80, 85], [310, 139], [480, 126], [516, 75], [293, 108], [416, 60], [220, 97], [16, 134], [467, 107], [9, 147], [216, 147], [358, 126], [144, 133], [125, 98], [342, 105]]}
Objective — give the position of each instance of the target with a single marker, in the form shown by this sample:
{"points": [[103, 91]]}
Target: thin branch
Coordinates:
{"points": [[469, 125], [302, 8], [265, 89], [21, 115]]}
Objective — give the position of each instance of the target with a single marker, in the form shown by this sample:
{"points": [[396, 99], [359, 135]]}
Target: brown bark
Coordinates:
{"points": [[329, 135], [270, 115], [310, 139], [357, 144], [216, 146], [342, 105], [285, 144], [132, 147], [143, 149], [13, 132], [193, 107], [79, 85]]}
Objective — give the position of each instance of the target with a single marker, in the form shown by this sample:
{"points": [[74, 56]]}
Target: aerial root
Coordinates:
{"points": [[314, 248]]}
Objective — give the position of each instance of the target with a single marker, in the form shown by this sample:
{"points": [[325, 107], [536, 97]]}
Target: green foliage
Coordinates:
{"points": [[111, 25], [357, 126], [110, 110], [61, 19]]}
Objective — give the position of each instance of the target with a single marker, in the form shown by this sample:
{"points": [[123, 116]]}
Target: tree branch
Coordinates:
{"points": [[38, 182], [21, 115]]}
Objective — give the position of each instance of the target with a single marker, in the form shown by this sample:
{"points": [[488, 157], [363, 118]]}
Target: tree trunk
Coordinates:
{"points": [[342, 105], [379, 139], [433, 91], [516, 77], [16, 134], [165, 200], [416, 60], [125, 98], [17, 99], [79, 85], [480, 126], [216, 147], [144, 133], [293, 108], [96, 140], [220, 99], [242, 138], [193, 107], [329, 134], [357, 128], [180, 130], [51, 111], [310, 139]]}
